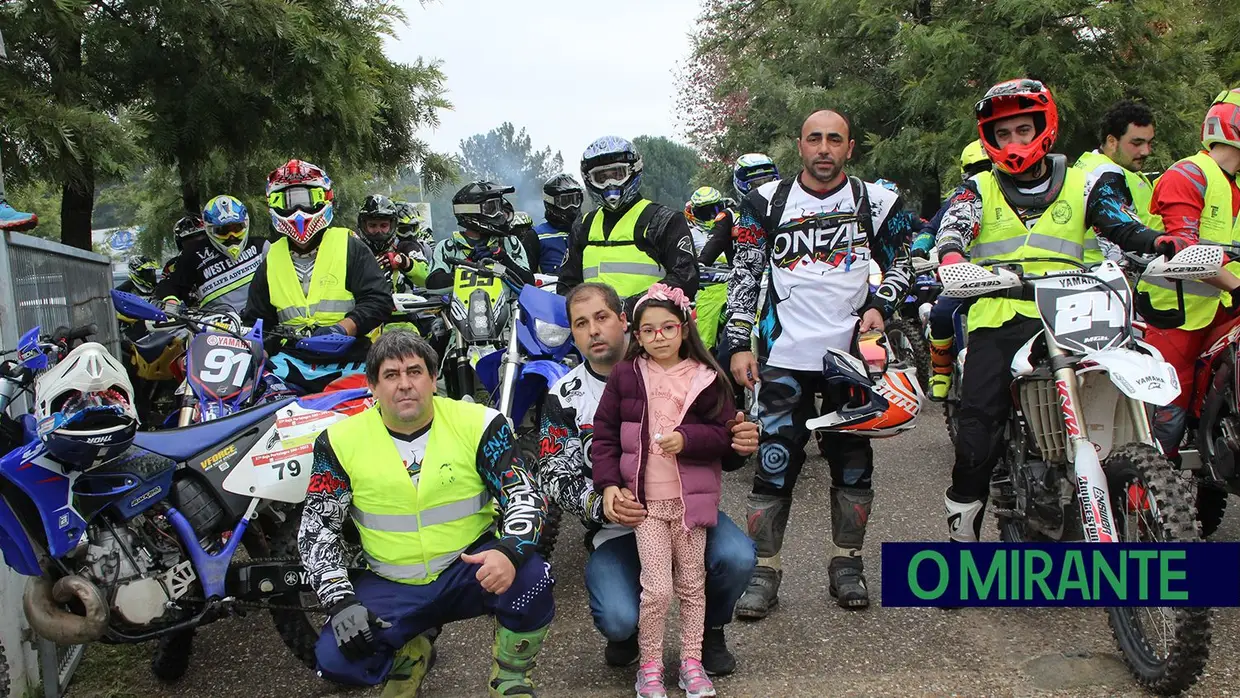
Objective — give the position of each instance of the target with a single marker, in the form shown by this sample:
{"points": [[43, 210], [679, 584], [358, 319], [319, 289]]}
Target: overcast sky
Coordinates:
{"points": [[567, 71]]}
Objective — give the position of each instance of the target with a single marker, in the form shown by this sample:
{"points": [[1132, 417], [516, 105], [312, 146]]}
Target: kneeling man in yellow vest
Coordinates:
{"points": [[449, 524]]}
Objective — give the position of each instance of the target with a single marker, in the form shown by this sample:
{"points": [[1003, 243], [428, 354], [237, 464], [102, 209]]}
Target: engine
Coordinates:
{"points": [[139, 579]]}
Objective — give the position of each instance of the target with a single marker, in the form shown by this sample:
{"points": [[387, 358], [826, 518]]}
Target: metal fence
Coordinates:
{"points": [[53, 285]]}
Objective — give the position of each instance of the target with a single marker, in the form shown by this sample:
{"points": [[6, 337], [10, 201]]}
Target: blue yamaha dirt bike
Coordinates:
{"points": [[144, 545]]}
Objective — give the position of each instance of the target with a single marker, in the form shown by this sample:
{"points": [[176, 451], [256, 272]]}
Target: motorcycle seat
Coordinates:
{"points": [[186, 442], [154, 344]]}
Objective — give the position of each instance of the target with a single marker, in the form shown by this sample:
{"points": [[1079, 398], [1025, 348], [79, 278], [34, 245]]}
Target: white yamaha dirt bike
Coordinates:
{"points": [[1081, 462]]}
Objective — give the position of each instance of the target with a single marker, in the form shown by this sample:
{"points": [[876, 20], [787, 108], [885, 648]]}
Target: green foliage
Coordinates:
{"points": [[667, 170], [41, 198], [211, 97], [908, 72]]}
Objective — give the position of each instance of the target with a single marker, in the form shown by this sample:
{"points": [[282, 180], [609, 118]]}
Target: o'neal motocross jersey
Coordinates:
{"points": [[818, 261]]}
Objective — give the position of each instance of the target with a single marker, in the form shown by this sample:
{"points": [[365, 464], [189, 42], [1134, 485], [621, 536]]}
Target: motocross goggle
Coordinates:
{"points": [[568, 199], [487, 208], [759, 180], [613, 175], [307, 199], [707, 213], [229, 233]]}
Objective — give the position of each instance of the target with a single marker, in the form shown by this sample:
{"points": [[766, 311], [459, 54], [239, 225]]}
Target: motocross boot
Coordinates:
{"points": [[409, 667], [767, 521], [850, 511], [940, 368], [514, 654], [964, 519]]}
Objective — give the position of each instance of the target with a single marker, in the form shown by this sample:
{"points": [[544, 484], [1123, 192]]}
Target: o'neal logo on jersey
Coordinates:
{"points": [[820, 237]]}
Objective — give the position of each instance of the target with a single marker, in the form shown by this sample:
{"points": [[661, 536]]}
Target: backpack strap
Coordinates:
{"points": [[865, 220], [779, 200]]}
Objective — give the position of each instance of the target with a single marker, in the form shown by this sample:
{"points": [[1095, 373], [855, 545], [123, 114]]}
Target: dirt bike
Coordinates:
{"points": [[1212, 439], [144, 546], [1081, 462]]}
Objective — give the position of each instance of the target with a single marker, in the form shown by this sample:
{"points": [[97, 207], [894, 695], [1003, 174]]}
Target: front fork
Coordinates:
{"points": [[1091, 482], [512, 361]]}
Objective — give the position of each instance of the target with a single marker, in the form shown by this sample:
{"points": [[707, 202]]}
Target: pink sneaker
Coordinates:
{"points": [[650, 680], [694, 681]]}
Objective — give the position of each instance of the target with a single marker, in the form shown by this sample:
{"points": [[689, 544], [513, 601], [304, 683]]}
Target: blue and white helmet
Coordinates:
{"points": [[752, 170], [612, 170]]}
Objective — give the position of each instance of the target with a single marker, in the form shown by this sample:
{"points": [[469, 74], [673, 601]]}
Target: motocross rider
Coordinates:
{"points": [[628, 242], [805, 233], [562, 199], [218, 270], [378, 223], [1197, 199], [348, 294], [998, 215]]}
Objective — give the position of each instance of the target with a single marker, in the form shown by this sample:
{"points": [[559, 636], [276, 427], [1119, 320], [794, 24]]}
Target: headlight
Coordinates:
{"points": [[551, 334]]}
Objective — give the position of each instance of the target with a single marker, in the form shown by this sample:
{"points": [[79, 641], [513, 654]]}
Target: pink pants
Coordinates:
{"points": [[672, 559]]}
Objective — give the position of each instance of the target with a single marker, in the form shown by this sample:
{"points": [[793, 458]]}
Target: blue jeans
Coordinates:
{"points": [[613, 570], [412, 609]]}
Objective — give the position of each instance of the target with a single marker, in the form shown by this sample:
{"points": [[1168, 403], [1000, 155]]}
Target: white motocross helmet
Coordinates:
{"points": [[84, 408]]}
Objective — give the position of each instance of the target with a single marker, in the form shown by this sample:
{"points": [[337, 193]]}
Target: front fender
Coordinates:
{"points": [[1139, 376]]}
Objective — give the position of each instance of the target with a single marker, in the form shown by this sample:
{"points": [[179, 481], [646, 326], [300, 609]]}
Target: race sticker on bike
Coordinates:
{"points": [[1085, 313], [223, 366]]}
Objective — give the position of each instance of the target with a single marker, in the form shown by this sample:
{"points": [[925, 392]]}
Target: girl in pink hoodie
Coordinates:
{"points": [[660, 433]]}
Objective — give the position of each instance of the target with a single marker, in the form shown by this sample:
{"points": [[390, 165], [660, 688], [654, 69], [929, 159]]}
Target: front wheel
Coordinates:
{"points": [[1164, 648]]}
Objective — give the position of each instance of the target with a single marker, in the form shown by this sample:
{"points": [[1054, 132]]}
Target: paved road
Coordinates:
{"points": [[809, 647]]}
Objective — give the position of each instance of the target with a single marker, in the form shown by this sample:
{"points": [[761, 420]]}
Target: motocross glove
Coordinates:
{"points": [[355, 628], [334, 329], [1169, 245]]}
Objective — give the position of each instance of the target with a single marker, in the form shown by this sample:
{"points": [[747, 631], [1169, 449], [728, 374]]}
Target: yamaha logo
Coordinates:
{"points": [[291, 579]]}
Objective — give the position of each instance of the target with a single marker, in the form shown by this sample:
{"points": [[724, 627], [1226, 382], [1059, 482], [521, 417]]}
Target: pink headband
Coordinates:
{"points": [[663, 292]]}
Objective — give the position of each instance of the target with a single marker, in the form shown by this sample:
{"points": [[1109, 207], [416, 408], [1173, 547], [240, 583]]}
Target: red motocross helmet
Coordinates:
{"points": [[1222, 124], [1014, 98]]}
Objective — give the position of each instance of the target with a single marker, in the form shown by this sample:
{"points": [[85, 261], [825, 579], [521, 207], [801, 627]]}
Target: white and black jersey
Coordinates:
{"points": [[817, 252]]}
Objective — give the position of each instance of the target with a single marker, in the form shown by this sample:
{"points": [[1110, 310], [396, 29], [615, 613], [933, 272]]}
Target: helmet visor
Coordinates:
{"points": [[307, 199], [1019, 90], [613, 175]]}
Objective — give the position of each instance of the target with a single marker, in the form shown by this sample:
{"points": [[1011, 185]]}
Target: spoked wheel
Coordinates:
{"points": [[300, 629], [1164, 648]]}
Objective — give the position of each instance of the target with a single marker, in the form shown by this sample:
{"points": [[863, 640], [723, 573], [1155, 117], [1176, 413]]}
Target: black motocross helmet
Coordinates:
{"points": [[480, 207], [562, 197], [188, 228], [375, 208]]}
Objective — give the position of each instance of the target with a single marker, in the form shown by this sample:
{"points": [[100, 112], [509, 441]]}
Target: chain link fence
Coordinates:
{"points": [[51, 285]]}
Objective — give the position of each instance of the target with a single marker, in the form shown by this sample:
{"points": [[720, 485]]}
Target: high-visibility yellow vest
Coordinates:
{"points": [[412, 534], [1201, 300], [615, 260], [1059, 232], [1139, 188], [329, 301]]}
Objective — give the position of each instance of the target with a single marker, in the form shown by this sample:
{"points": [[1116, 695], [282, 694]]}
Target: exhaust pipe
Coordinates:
{"points": [[43, 600]]}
